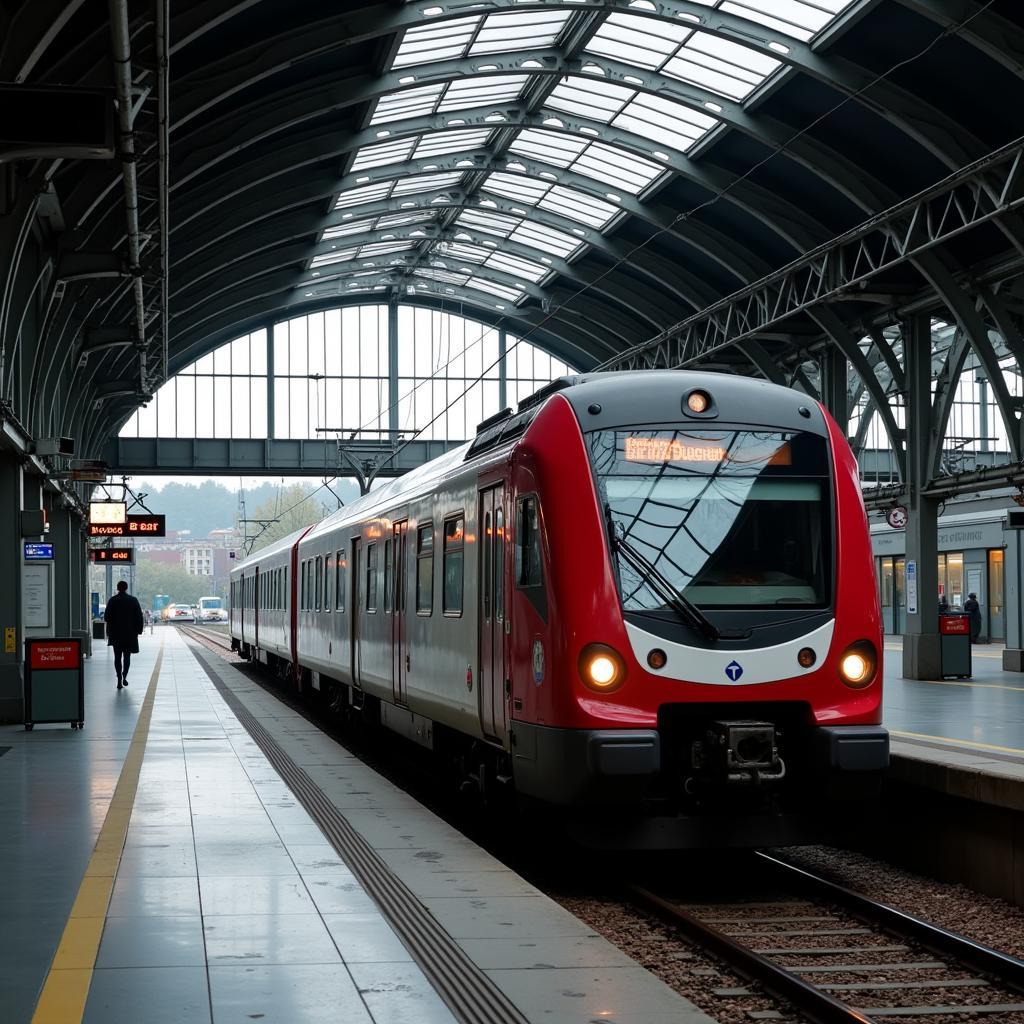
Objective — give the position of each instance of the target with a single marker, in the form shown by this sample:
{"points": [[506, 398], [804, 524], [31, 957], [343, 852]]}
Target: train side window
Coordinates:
{"points": [[528, 564], [389, 583], [339, 596], [328, 582], [425, 569], [284, 588], [319, 580], [371, 578], [454, 552]]}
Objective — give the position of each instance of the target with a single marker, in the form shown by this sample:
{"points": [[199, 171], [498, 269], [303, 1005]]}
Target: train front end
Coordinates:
{"points": [[706, 663]]}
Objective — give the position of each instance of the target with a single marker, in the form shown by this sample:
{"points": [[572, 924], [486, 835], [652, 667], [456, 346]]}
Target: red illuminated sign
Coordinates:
{"points": [[954, 625], [45, 654], [147, 525], [123, 556]]}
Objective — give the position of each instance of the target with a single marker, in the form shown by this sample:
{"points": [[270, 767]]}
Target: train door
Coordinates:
{"points": [[399, 630], [357, 600], [491, 612], [256, 606]]}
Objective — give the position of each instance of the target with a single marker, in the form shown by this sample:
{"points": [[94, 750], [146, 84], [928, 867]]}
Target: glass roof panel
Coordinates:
{"points": [[517, 187], [490, 223], [549, 147], [435, 41], [577, 206], [437, 274], [426, 183], [663, 121], [365, 194], [720, 65], [517, 266], [463, 251], [591, 98], [341, 256], [383, 153], [800, 19], [494, 288], [480, 90], [502, 32], [617, 167], [407, 103], [540, 236], [372, 249], [643, 42], [440, 143]]}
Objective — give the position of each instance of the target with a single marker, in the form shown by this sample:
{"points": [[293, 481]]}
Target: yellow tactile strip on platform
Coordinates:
{"points": [[62, 1000]]}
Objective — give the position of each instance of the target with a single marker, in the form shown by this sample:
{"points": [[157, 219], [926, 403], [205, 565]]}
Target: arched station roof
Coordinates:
{"points": [[587, 173]]}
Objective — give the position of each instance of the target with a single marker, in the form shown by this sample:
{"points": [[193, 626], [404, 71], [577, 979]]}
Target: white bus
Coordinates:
{"points": [[211, 609]]}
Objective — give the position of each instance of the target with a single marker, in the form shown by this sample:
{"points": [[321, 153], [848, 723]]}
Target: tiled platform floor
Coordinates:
{"points": [[229, 905]]}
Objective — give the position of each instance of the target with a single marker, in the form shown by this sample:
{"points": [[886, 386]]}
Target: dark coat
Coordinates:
{"points": [[973, 609], [124, 622]]}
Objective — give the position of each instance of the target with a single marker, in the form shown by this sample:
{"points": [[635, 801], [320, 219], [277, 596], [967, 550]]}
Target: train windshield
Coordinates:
{"points": [[727, 518], [210, 602]]}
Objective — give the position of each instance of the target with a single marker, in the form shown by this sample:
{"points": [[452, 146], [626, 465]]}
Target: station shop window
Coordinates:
{"points": [[371, 578], [528, 553], [454, 554], [425, 569]]}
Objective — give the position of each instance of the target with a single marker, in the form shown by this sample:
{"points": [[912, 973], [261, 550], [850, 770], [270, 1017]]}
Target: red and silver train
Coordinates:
{"points": [[647, 598]]}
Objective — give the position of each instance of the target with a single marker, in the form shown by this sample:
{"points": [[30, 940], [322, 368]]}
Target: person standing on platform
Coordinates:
{"points": [[125, 624], [973, 609]]}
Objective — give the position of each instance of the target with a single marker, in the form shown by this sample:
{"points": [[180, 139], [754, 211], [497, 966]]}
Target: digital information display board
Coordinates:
{"points": [[147, 525], [120, 556], [38, 552]]}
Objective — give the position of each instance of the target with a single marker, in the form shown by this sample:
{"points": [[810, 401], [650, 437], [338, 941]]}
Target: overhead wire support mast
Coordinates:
{"points": [[978, 193]]}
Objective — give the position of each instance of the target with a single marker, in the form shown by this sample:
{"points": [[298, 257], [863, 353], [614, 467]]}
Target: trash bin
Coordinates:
{"points": [[54, 681], [99, 629], [955, 641]]}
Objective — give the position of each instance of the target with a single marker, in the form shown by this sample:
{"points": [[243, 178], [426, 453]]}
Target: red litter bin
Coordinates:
{"points": [[955, 644]]}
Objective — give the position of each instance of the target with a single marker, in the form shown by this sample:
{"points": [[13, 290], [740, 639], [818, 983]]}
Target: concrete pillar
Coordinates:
{"points": [[921, 645], [37, 579], [12, 707], [1013, 575]]}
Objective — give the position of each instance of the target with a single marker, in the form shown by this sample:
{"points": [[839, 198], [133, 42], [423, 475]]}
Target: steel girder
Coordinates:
{"points": [[975, 196]]}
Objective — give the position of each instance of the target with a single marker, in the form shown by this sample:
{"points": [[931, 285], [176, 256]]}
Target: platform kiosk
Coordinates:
{"points": [[54, 681], [955, 652]]}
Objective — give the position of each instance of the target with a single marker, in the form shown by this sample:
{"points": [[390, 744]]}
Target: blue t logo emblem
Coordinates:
{"points": [[734, 670]]}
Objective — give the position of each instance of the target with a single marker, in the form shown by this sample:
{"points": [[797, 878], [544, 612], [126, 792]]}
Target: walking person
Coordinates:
{"points": [[973, 609], [125, 623]]}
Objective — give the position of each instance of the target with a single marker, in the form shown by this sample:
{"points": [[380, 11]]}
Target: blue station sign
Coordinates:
{"points": [[38, 552]]}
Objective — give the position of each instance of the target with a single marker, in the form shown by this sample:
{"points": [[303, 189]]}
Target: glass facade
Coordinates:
{"points": [[331, 371]]}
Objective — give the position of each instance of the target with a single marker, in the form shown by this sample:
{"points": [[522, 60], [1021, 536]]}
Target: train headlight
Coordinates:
{"points": [[601, 668], [698, 402], [857, 664]]}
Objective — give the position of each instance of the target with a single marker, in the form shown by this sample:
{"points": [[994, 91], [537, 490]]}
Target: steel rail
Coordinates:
{"points": [[816, 1005], [1001, 967]]}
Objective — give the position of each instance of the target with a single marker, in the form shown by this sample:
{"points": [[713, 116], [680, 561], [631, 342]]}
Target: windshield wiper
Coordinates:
{"points": [[684, 607]]}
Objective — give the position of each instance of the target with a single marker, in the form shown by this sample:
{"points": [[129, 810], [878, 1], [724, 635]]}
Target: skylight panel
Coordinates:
{"points": [[720, 65], [426, 183], [399, 220], [517, 187], [616, 167], [444, 276], [547, 240], [435, 41], [517, 266], [514, 31], [366, 194], [383, 153], [548, 147], [488, 222], [663, 121], [407, 103], [577, 206], [800, 19], [594, 99], [464, 252], [481, 90], [643, 42], [327, 258], [492, 288], [372, 249], [441, 143], [352, 227]]}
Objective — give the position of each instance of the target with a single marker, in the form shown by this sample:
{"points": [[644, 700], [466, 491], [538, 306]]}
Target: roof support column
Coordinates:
{"points": [[834, 387], [12, 706], [393, 369], [502, 369], [921, 646], [271, 426]]}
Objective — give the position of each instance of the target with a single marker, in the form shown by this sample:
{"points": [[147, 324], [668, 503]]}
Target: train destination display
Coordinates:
{"points": [[147, 525], [120, 556]]}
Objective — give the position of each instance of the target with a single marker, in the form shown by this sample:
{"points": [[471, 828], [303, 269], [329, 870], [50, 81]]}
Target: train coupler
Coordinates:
{"points": [[743, 753]]}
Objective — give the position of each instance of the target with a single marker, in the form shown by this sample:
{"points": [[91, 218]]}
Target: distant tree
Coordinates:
{"points": [[297, 506], [153, 578]]}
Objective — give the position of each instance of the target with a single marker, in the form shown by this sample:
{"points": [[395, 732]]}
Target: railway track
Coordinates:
{"points": [[219, 637], [838, 957]]}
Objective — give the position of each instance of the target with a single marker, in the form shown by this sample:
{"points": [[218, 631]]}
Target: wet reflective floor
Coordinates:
{"points": [[985, 711]]}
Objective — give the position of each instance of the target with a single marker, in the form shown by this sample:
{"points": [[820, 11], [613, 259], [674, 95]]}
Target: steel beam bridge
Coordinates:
{"points": [[193, 456]]}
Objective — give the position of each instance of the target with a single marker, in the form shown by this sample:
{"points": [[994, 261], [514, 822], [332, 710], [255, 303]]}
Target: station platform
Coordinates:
{"points": [[178, 861]]}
